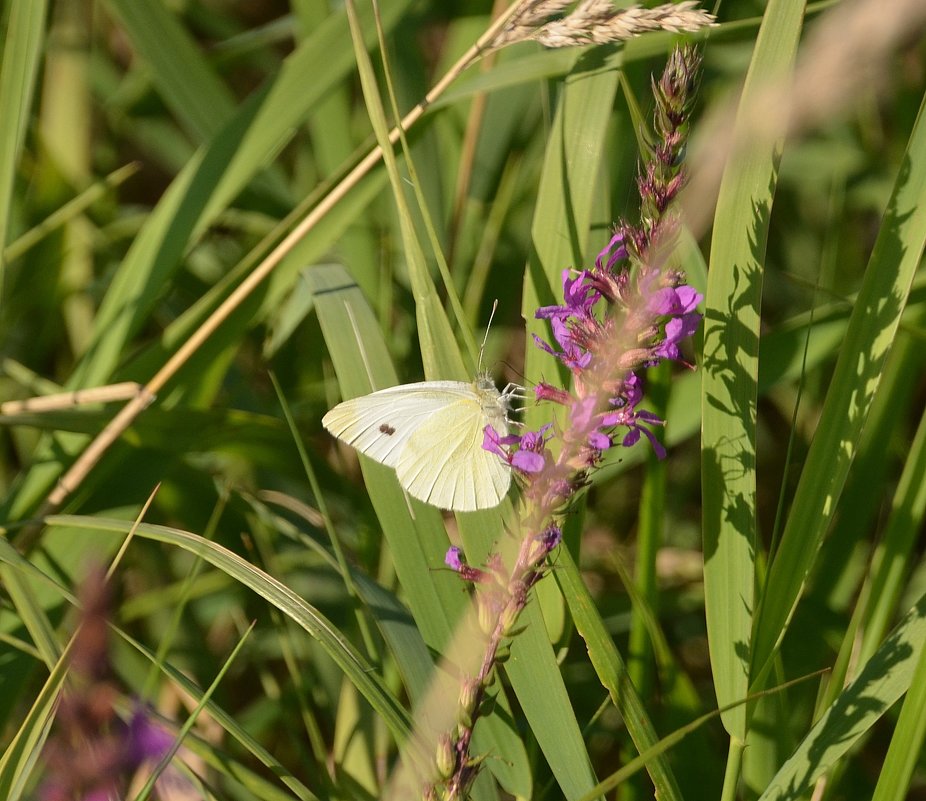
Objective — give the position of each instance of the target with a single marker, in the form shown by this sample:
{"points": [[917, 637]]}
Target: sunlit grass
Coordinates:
{"points": [[192, 196]]}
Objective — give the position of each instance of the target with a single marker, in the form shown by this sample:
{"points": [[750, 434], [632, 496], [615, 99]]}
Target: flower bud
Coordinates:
{"points": [[510, 616], [488, 607], [446, 759], [468, 694]]}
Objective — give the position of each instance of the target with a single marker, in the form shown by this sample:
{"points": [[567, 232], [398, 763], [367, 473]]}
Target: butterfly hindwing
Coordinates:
{"points": [[444, 464]]}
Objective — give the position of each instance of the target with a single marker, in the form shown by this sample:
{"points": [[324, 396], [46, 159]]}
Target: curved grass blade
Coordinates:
{"points": [[355, 668], [883, 679], [612, 673]]}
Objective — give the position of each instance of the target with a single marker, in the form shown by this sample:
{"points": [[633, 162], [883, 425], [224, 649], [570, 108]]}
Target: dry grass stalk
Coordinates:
{"points": [[598, 22]]}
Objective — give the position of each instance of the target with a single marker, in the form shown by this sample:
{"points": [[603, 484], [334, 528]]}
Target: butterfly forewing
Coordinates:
{"points": [[379, 424]]}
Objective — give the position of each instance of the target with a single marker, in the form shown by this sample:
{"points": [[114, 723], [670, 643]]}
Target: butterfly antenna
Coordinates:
{"points": [[482, 347]]}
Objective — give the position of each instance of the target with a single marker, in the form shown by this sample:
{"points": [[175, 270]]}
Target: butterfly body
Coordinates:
{"points": [[431, 434]]}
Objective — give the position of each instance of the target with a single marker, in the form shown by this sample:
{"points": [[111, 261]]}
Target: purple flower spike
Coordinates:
{"points": [[628, 311]]}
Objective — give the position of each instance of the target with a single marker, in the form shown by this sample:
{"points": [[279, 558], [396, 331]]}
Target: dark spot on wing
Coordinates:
{"points": [[387, 429]]}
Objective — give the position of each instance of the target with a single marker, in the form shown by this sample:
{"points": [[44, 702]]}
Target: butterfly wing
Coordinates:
{"points": [[379, 424], [443, 462]]}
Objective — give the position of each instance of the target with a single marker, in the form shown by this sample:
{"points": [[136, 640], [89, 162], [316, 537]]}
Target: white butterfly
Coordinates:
{"points": [[431, 433]]}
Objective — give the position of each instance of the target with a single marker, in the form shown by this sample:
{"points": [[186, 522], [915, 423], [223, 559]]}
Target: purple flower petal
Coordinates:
{"points": [[619, 252], [551, 537], [528, 461], [491, 442], [547, 392], [452, 559]]}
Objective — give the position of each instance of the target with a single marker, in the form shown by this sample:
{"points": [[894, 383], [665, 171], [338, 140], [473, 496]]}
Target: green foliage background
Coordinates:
{"points": [[153, 155]]}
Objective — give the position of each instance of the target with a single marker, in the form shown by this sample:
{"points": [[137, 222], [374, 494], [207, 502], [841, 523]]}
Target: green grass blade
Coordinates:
{"points": [[304, 615], [882, 680], [29, 610], [73, 208], [538, 683], [439, 350], [22, 50], [856, 379], [730, 374], [612, 672], [187, 82], [907, 741], [417, 541], [20, 755], [890, 563], [896, 551]]}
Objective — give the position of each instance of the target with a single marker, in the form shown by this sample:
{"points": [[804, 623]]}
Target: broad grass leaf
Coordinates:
{"points": [[414, 531], [22, 51], [730, 367], [855, 381]]}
